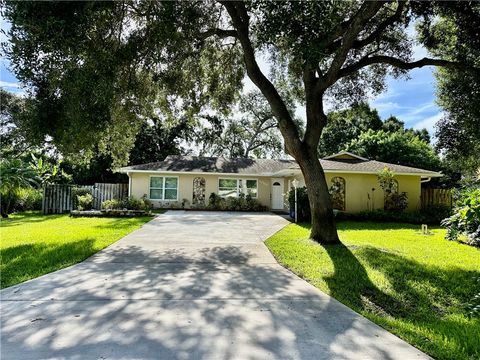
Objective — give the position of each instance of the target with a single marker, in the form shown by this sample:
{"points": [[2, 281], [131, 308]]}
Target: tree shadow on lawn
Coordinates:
{"points": [[26, 261], [424, 296], [24, 218]]}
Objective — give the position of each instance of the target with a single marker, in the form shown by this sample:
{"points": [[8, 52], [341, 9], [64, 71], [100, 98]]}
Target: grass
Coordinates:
{"points": [[33, 244], [413, 285]]}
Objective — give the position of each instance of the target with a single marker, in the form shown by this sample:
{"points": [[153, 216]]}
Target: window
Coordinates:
{"points": [[235, 187], [228, 187], [163, 188], [252, 188]]}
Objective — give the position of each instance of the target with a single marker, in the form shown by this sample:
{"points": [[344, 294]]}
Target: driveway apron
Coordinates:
{"points": [[187, 285]]}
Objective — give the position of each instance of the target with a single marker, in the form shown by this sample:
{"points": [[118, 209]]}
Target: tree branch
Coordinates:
{"points": [[363, 15], [398, 63], [397, 16], [221, 33], [240, 20]]}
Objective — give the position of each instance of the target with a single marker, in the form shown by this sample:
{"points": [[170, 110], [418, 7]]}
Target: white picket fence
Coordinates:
{"points": [[58, 199]]}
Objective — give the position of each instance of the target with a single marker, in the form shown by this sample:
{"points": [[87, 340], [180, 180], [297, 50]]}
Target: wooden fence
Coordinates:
{"points": [[430, 196], [58, 199]]}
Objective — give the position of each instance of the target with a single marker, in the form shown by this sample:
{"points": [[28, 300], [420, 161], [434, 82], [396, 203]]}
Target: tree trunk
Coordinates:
{"points": [[323, 228]]}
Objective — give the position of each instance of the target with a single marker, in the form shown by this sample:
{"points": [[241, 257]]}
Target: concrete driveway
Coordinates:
{"points": [[187, 285]]}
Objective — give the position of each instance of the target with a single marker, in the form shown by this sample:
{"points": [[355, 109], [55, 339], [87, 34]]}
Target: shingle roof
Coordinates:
{"points": [[246, 166], [215, 165]]}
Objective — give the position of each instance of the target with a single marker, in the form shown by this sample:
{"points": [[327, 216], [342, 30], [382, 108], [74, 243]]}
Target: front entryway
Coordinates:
{"points": [[277, 193]]}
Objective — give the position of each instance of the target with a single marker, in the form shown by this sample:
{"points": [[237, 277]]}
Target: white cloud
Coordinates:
{"points": [[389, 106], [8, 84], [429, 122]]}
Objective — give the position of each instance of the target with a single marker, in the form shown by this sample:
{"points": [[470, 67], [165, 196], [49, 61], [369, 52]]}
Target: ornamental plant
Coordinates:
{"points": [[466, 218]]}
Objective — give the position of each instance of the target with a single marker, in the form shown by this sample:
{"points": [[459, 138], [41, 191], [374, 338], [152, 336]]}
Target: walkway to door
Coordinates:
{"points": [[187, 285]]}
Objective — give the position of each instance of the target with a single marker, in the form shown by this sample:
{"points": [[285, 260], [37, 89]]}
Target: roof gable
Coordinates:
{"points": [[345, 155]]}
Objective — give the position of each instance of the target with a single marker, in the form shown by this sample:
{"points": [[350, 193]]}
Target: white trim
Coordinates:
{"points": [[345, 153], [129, 185], [163, 194], [293, 172], [236, 178]]}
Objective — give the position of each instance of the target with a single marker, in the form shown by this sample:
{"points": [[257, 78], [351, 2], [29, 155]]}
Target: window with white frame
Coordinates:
{"points": [[251, 188], [228, 187], [163, 188], [235, 187]]}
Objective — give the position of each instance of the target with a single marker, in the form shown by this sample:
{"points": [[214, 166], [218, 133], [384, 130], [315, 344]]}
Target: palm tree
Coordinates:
{"points": [[14, 175]]}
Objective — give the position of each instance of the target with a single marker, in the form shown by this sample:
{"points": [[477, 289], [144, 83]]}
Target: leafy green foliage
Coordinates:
{"points": [[85, 202], [303, 206], [359, 129], [28, 199], [252, 133], [99, 69], [401, 147], [129, 203], [241, 203], [346, 125], [49, 173], [466, 218], [393, 201], [15, 175], [458, 90], [431, 215]]}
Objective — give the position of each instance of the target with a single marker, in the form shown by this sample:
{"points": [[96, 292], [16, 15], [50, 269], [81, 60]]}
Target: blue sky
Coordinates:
{"points": [[411, 100]]}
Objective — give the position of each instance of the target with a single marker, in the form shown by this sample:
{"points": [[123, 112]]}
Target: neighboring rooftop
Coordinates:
{"points": [[342, 162]]}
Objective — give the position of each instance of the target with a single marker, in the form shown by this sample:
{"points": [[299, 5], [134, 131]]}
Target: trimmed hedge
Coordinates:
{"points": [[241, 203], [432, 215]]}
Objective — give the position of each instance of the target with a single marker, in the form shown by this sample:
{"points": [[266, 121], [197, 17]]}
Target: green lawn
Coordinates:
{"points": [[32, 244], [413, 285]]}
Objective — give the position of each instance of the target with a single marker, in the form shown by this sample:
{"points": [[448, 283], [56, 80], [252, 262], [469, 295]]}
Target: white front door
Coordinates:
{"points": [[277, 193]]}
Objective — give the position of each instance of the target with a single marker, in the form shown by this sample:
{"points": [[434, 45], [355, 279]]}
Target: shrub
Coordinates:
{"points": [[303, 206], [214, 202], [85, 202], [393, 201], [28, 199], [434, 214], [241, 203], [129, 203], [79, 191], [396, 202], [466, 217], [111, 204], [431, 215]]}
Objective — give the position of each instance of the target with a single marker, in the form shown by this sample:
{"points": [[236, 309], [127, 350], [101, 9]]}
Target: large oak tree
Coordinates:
{"points": [[94, 64]]}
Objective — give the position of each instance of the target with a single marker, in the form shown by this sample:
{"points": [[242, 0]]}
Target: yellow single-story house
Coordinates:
{"points": [[188, 181]]}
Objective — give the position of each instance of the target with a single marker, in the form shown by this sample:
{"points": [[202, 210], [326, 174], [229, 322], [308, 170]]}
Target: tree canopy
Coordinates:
{"points": [[249, 131], [96, 66]]}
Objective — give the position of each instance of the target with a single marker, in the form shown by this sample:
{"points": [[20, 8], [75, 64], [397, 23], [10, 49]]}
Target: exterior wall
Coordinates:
{"points": [[359, 195], [358, 189], [140, 183]]}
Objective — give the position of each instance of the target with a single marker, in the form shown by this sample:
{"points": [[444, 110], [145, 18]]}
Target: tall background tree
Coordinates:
{"points": [[96, 66], [458, 92], [251, 131]]}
